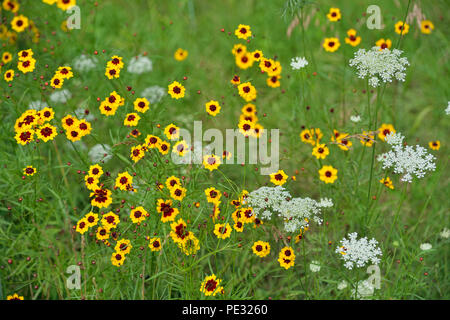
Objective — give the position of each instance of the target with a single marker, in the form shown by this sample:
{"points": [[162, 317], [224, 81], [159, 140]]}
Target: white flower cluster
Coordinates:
{"points": [[84, 63], [100, 152], [364, 291], [296, 212], [379, 65], [408, 161], [139, 65], [38, 105], [358, 252], [61, 96], [447, 110], [154, 94], [298, 63], [355, 119]]}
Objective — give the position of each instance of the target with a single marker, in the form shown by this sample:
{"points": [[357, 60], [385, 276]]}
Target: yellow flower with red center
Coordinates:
{"points": [[181, 148], [82, 226], [46, 114], [244, 60], [141, 105], [211, 286], [331, 44], [352, 38], [112, 73], [151, 141], [6, 57], [384, 130], [261, 248], [15, 296], [91, 218], [123, 246], [426, 26], [137, 153], [155, 244], [20, 23], [176, 90], [180, 54], [273, 81], [247, 91], [243, 31], [238, 226], [172, 132], [29, 170], [124, 181], [117, 259], [101, 198], [163, 147], [74, 134], [213, 195], [107, 108], [190, 245], [102, 233], [110, 220], [247, 215], [27, 65], [401, 27], [211, 162], [115, 62], [246, 127], [131, 119], [286, 258], [11, 5], [138, 215], [9, 75], [434, 145], [46, 132], [334, 14], [320, 151], [257, 55], [57, 81], [328, 174], [367, 139], [24, 136], [172, 182], [65, 4], [278, 178], [64, 72], [168, 212], [95, 171], [179, 232], [249, 109], [91, 182], [222, 230], [212, 107], [25, 54], [178, 193], [235, 80], [311, 136], [387, 182], [384, 44]]}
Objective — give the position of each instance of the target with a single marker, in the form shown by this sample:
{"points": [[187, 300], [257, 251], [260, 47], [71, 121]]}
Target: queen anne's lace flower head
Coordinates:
{"points": [[298, 63], [154, 94], [296, 212], [358, 252], [84, 63], [379, 65], [406, 160], [447, 110], [139, 65]]}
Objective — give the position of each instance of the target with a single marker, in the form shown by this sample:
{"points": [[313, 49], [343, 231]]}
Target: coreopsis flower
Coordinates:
{"points": [[213, 195], [286, 258], [11, 5], [82, 226], [387, 182], [176, 90], [384, 130], [137, 153], [46, 132], [235, 80], [244, 60], [92, 219], [46, 114], [211, 286], [406, 160], [91, 182], [131, 119], [151, 141], [123, 246], [117, 259], [172, 182], [102, 233], [379, 65], [320, 151], [352, 39], [309, 136], [261, 248], [29, 170], [246, 127], [57, 81], [341, 140], [358, 252], [180, 54], [238, 49], [222, 230], [401, 27], [138, 215], [95, 171], [331, 44], [110, 220], [19, 23], [328, 174], [141, 105], [65, 4], [155, 244], [107, 108], [26, 65], [140, 64], [179, 232], [384, 44], [73, 134], [247, 91], [212, 107], [278, 178], [178, 193], [257, 55], [334, 14], [15, 296], [298, 63], [243, 31], [274, 81], [247, 215], [238, 226], [101, 198], [9, 75], [181, 148], [135, 133], [24, 136], [434, 145], [6, 57], [84, 127], [172, 132], [124, 181], [168, 212], [190, 245], [163, 147], [112, 73], [64, 72], [211, 162], [249, 109], [426, 26], [367, 139]]}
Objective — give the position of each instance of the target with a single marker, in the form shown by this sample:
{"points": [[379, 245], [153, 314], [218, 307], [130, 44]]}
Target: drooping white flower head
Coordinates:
{"points": [[295, 212], [358, 252], [154, 94], [84, 63], [61, 96], [379, 66], [140, 64], [425, 246], [298, 63], [406, 160], [364, 290], [355, 119]]}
